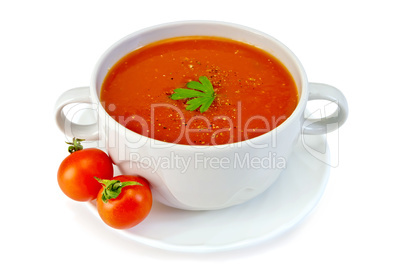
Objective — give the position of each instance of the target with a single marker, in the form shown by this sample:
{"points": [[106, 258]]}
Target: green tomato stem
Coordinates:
{"points": [[75, 145], [112, 188]]}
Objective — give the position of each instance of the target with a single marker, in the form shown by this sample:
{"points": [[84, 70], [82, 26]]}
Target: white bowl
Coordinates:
{"points": [[202, 177]]}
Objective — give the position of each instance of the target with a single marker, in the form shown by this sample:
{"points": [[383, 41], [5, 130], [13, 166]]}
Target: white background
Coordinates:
{"points": [[48, 47]]}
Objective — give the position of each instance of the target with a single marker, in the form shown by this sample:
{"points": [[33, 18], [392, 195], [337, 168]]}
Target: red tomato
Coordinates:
{"points": [[130, 207], [77, 171]]}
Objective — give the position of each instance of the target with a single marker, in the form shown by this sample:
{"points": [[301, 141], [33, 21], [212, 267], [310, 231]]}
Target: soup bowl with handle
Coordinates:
{"points": [[195, 177]]}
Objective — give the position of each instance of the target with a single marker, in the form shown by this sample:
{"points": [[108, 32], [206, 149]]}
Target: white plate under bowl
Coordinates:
{"points": [[272, 213]]}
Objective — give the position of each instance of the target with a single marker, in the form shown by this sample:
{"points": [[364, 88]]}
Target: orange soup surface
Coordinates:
{"points": [[254, 92]]}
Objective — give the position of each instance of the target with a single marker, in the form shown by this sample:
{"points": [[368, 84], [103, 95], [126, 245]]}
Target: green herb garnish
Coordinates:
{"points": [[202, 94]]}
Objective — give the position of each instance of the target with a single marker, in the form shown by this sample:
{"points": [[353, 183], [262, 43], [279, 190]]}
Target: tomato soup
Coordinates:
{"points": [[254, 92]]}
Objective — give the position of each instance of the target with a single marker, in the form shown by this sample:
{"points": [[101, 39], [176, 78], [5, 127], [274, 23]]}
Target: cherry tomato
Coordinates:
{"points": [[128, 207], [77, 171]]}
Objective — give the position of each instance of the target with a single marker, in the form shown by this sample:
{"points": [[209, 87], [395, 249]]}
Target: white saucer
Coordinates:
{"points": [[280, 208]]}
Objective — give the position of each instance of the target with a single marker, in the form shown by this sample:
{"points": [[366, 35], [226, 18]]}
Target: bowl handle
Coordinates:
{"points": [[77, 96], [326, 124]]}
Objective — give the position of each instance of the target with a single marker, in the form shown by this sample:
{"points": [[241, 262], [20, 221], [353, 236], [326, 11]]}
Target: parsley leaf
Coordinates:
{"points": [[202, 94]]}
